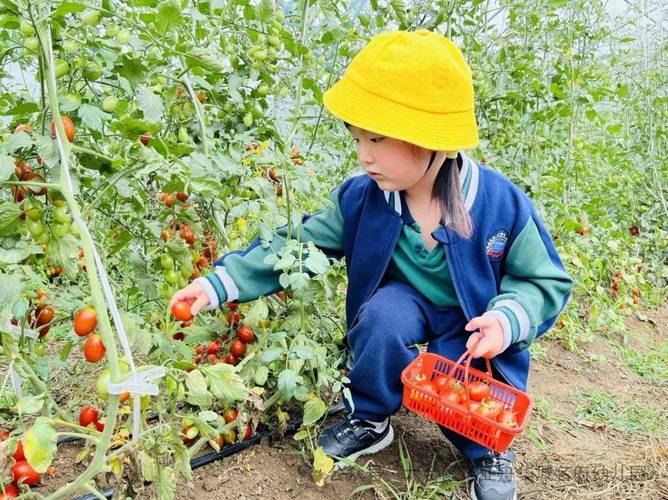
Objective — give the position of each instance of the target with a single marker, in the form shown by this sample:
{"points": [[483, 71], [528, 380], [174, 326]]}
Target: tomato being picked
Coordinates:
{"points": [[11, 491], [181, 311]]}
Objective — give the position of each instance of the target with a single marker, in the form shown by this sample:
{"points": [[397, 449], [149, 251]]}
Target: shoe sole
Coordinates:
{"points": [[383, 443], [474, 497]]}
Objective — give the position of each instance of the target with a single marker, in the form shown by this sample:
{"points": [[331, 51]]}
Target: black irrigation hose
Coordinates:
{"points": [[223, 453]]}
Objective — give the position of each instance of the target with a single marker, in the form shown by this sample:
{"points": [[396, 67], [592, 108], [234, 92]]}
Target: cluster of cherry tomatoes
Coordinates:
{"points": [[85, 321], [41, 316], [480, 401], [22, 471]]}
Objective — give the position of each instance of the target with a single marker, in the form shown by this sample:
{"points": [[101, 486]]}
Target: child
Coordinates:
{"points": [[436, 246]]}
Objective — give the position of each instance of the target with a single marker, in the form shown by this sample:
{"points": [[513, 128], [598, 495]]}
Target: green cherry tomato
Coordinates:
{"points": [[35, 227], [103, 379], [183, 282], [186, 271], [111, 30], [60, 230], [26, 29], [70, 46], [275, 42], [248, 120], [92, 71], [40, 349], [183, 135], [61, 68], [32, 44], [166, 261], [263, 89], [33, 210], [44, 238], [91, 18], [61, 215], [123, 36], [110, 103], [74, 229], [171, 276]]}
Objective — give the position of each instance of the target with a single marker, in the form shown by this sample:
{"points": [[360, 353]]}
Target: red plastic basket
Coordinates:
{"points": [[457, 417]]}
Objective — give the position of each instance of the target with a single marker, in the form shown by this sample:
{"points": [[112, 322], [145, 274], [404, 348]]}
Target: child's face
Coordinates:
{"points": [[392, 163]]}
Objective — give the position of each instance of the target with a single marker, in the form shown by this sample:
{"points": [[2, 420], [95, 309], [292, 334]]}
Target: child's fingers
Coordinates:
{"points": [[202, 301], [482, 348], [188, 294], [473, 339]]}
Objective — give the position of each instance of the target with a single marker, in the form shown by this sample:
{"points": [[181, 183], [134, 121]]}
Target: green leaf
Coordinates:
{"points": [[198, 393], [21, 251], [23, 109], [69, 8], [169, 16], [258, 312], [317, 261], [287, 382], [92, 116], [6, 168], [29, 405], [225, 383], [203, 58], [39, 444], [269, 355], [150, 104], [17, 141], [323, 465], [132, 69], [265, 11], [314, 409], [303, 352], [133, 128], [166, 484], [149, 467], [261, 374]]}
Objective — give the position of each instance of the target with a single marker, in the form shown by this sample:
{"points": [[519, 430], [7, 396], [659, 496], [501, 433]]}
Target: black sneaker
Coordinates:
{"points": [[351, 437], [494, 477]]}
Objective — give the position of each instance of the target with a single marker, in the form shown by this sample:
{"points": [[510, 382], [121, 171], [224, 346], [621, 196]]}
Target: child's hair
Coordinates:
{"points": [[448, 193]]}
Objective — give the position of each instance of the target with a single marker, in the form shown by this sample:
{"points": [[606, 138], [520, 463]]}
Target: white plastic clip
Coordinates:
{"points": [[139, 382]]}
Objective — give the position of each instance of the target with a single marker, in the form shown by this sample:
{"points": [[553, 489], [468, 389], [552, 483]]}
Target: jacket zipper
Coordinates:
{"points": [[459, 296]]}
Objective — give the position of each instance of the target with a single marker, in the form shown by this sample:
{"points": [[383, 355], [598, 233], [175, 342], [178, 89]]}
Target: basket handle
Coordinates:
{"points": [[466, 357]]}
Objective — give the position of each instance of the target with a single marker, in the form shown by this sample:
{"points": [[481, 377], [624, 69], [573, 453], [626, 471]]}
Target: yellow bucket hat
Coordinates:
{"points": [[410, 85]]}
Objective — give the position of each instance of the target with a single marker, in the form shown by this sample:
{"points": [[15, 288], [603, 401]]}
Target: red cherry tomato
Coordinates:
{"points": [[11, 491], [85, 321], [18, 454], [246, 334], [231, 360], [507, 418], [88, 415], [68, 125], [478, 391], [94, 349], [22, 471], [181, 311], [238, 348], [99, 426], [213, 348], [233, 318], [231, 415]]}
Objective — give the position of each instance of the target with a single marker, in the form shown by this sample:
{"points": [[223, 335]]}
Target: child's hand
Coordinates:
{"points": [[194, 295], [489, 338]]}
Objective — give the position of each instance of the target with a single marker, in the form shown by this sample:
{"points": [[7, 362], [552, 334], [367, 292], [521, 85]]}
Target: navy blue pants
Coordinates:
{"points": [[382, 343]]}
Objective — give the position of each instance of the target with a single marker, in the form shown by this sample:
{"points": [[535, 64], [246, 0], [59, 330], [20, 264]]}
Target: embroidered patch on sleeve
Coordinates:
{"points": [[496, 245]]}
